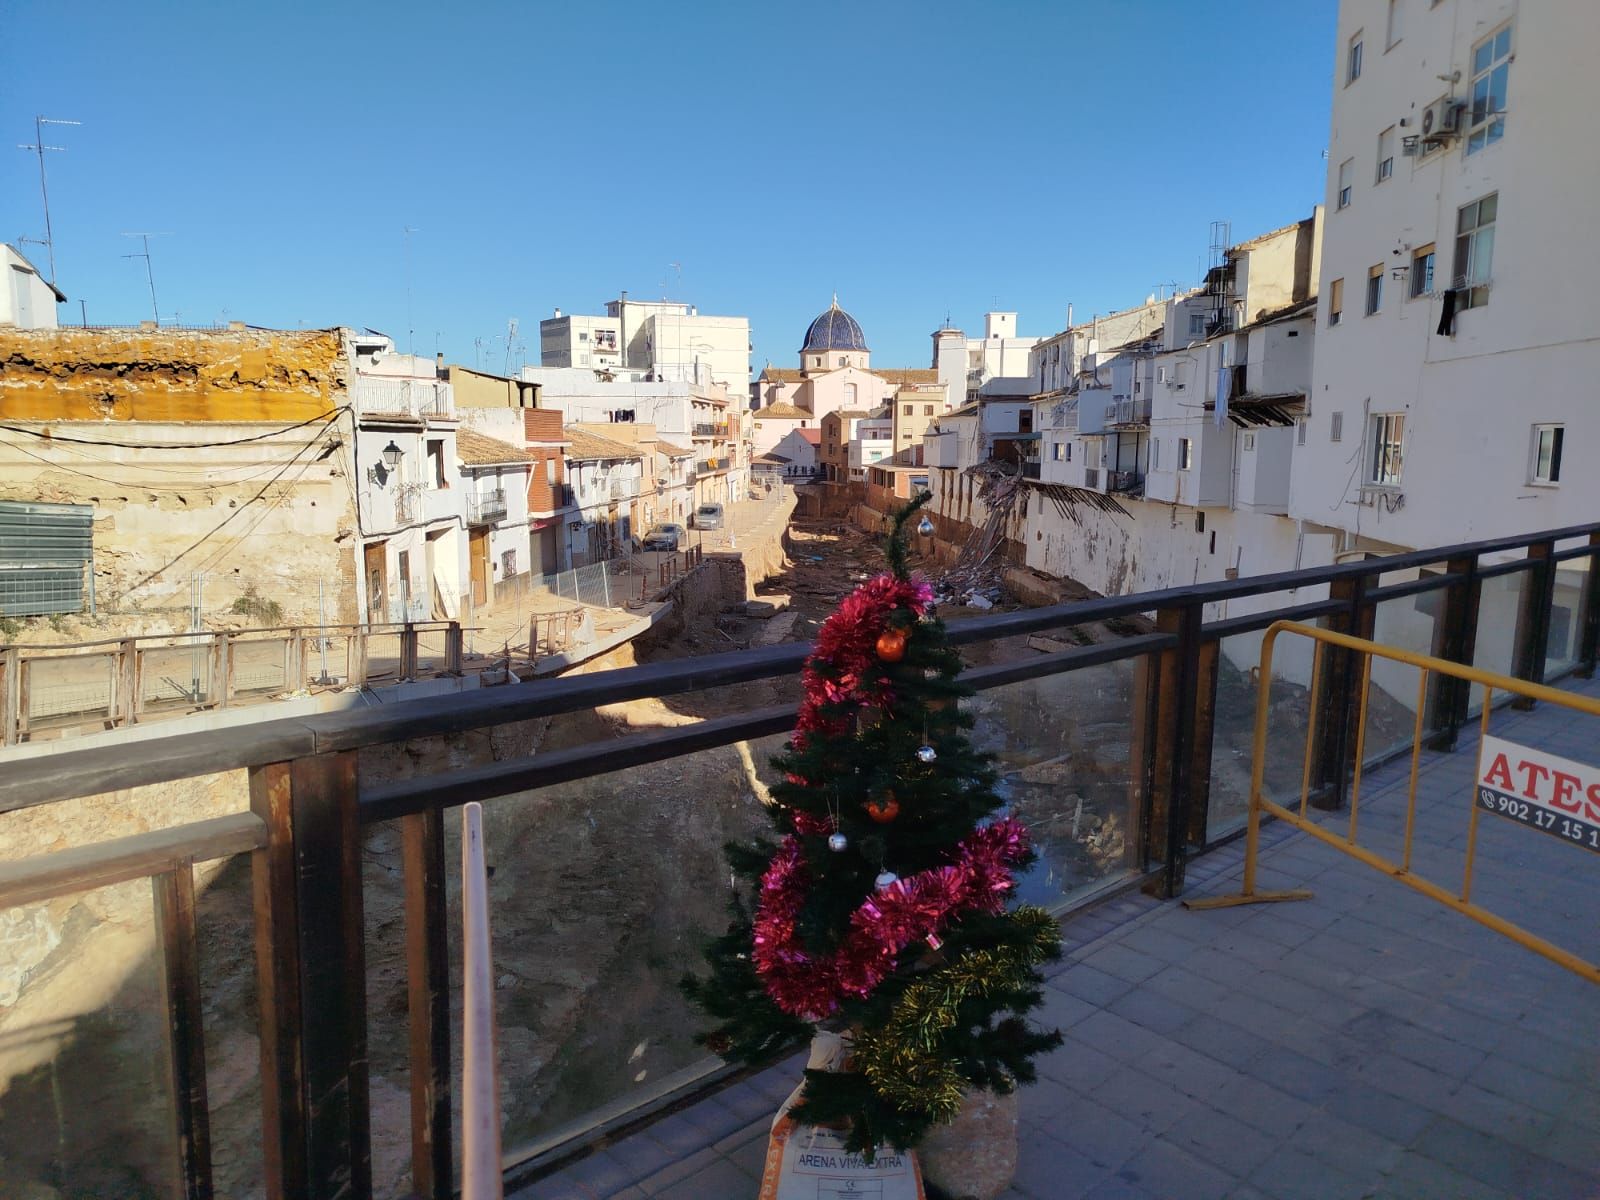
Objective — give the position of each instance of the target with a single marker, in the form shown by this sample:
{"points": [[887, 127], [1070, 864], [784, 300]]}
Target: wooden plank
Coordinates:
{"points": [[428, 1003], [331, 933], [100, 864], [408, 652], [186, 1043], [279, 1019]]}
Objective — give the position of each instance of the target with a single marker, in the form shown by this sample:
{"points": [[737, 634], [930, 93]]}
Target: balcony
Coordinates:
{"points": [[710, 466], [1129, 413], [1125, 482], [485, 508], [624, 489], [712, 429], [1329, 1046], [410, 400], [1030, 468]]}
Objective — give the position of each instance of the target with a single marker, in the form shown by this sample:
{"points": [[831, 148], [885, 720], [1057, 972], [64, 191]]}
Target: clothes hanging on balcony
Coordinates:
{"points": [[1447, 313]]}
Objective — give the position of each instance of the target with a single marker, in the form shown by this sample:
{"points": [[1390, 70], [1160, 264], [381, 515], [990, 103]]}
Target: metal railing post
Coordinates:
{"points": [[10, 695], [408, 652], [428, 1003], [452, 649], [1455, 640], [1533, 619], [1589, 645], [311, 979], [177, 943], [1165, 751], [1339, 705]]}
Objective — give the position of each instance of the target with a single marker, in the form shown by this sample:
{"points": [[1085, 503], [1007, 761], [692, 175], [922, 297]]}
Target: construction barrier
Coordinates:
{"points": [[1546, 793]]}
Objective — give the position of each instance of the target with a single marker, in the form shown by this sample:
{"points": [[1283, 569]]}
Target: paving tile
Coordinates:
{"points": [[1154, 1011], [1117, 1189], [1223, 1141], [1291, 1173], [1185, 1070], [1342, 1144], [1123, 1040], [1165, 1170], [1418, 1177], [1509, 1168], [1060, 1009], [1125, 964], [1091, 984], [1150, 1103], [1099, 1135], [1077, 1066], [717, 1180], [1048, 1169], [670, 1174]]}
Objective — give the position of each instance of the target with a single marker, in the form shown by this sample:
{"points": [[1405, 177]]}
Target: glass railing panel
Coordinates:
{"points": [[1062, 747], [1499, 601], [1567, 613], [86, 1104], [1234, 721]]}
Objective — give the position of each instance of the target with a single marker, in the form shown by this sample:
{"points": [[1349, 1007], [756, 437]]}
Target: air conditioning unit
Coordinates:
{"points": [[1440, 120]]}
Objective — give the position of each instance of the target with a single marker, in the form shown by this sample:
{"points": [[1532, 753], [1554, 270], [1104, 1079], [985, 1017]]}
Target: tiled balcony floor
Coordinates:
{"points": [[1367, 1043]]}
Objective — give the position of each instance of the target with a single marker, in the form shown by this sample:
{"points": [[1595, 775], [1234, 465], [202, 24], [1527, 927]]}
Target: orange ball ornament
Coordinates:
{"points": [[891, 645], [885, 810]]}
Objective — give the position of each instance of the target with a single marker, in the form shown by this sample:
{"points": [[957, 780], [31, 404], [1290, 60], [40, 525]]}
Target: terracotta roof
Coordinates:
{"points": [[672, 451], [773, 458], [592, 446], [906, 374], [782, 412], [781, 374], [475, 450], [814, 436]]}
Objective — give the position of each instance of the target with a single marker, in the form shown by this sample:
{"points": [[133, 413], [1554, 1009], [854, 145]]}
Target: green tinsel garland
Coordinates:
{"points": [[902, 1058]]}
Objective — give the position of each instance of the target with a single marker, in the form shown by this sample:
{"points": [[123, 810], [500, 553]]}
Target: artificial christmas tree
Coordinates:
{"points": [[881, 912]]}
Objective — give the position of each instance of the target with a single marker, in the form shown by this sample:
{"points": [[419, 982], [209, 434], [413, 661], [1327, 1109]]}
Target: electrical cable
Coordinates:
{"points": [[59, 437], [203, 538], [135, 485]]}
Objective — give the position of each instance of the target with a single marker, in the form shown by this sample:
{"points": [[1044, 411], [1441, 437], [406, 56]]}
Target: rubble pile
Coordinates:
{"points": [[974, 579]]}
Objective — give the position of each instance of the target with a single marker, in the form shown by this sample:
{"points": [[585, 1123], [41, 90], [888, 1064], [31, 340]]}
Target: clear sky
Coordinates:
{"points": [[921, 158]]}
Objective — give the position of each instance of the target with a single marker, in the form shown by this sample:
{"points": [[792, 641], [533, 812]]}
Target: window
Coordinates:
{"points": [[1300, 432], [1346, 169], [850, 395], [1155, 453], [1547, 441], [1336, 427], [1352, 67], [1385, 154], [1058, 452], [1335, 302], [582, 336], [436, 464], [1197, 325], [1422, 270], [1161, 374], [1185, 454], [927, 410], [843, 361], [906, 411], [550, 470], [1491, 63], [1385, 449], [508, 563], [1475, 250], [1374, 289], [1249, 442], [1396, 26]]}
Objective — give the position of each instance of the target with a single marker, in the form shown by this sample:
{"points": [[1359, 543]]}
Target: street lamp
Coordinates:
{"points": [[392, 454]]}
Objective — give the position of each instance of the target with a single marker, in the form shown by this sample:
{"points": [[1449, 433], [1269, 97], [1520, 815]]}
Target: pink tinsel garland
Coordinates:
{"points": [[810, 986]]}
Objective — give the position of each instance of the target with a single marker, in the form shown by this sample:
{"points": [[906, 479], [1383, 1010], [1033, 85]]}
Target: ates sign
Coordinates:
{"points": [[1556, 795]]}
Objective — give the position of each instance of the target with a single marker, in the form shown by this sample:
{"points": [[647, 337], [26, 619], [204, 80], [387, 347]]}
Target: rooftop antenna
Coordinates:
{"points": [[511, 338], [39, 147], [149, 272], [411, 333], [672, 266]]}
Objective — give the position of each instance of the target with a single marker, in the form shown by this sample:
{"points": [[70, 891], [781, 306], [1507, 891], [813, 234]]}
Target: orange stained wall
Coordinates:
{"points": [[170, 375]]}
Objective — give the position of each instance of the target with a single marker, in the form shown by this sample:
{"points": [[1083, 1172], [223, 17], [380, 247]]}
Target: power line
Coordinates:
{"points": [[259, 437]]}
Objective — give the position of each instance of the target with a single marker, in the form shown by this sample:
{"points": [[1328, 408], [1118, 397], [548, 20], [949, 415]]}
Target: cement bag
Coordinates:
{"points": [[805, 1162]]}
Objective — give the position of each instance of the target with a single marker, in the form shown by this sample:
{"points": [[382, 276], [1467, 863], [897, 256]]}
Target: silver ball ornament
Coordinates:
{"points": [[925, 527], [926, 754], [886, 880], [838, 842]]}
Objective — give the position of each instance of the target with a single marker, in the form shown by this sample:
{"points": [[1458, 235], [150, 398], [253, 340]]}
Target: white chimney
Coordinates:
{"points": [[558, 313]]}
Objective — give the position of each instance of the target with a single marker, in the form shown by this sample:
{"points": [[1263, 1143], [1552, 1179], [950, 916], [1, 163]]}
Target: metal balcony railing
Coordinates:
{"points": [[1124, 481], [323, 799], [1134, 411], [1091, 478], [485, 508], [403, 399]]}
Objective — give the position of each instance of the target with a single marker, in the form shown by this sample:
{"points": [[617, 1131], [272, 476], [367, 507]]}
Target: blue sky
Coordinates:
{"points": [[919, 158]]}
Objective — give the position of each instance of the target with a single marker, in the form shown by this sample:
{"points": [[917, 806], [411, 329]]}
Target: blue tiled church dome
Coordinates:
{"points": [[834, 330]]}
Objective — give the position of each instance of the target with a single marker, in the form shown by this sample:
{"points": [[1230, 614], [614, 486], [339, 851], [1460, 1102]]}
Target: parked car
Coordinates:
{"points": [[663, 537], [708, 516]]}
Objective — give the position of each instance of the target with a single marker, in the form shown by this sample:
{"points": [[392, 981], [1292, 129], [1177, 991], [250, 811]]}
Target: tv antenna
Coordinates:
{"points": [[149, 273], [511, 339], [411, 333], [39, 147], [672, 266]]}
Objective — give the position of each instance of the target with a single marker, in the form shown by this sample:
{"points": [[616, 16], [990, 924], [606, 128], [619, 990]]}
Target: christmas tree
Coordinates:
{"points": [[881, 911]]}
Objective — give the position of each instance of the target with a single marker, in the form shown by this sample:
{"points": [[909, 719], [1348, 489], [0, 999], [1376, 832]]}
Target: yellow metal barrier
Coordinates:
{"points": [[1573, 813]]}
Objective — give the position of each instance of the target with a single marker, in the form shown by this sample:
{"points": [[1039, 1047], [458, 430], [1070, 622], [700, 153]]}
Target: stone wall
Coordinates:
{"points": [[213, 453]]}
